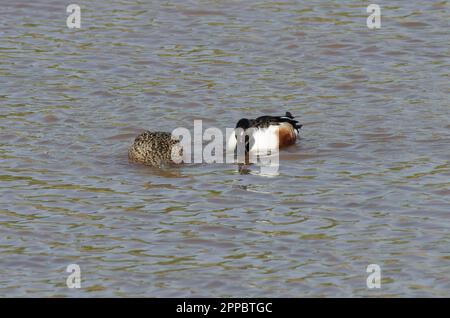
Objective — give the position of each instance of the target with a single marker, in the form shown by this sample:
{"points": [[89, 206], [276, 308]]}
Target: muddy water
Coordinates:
{"points": [[369, 182]]}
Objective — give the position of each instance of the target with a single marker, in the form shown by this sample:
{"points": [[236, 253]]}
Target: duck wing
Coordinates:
{"points": [[266, 121]]}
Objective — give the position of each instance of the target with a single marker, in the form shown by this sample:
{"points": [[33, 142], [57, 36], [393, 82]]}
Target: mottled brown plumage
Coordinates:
{"points": [[155, 149]]}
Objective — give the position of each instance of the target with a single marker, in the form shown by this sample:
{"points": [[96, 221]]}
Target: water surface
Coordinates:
{"points": [[367, 183]]}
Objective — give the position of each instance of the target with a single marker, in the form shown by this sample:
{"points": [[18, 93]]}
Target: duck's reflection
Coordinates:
{"points": [[264, 166], [243, 168]]}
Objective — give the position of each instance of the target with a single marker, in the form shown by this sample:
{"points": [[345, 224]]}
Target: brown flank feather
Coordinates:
{"points": [[286, 135]]}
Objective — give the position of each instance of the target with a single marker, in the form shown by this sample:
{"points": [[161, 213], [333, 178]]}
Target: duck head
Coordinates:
{"points": [[242, 134]]}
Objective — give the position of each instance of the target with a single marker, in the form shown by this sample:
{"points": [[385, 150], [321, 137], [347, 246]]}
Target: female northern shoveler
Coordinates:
{"points": [[265, 133], [155, 148]]}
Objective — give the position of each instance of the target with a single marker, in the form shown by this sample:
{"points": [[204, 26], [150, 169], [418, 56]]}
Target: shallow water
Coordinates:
{"points": [[369, 182]]}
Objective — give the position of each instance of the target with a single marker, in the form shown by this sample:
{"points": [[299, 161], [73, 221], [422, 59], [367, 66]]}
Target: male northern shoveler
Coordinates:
{"points": [[155, 148], [265, 133]]}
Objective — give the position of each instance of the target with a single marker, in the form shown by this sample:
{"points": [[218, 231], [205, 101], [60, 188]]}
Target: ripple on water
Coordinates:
{"points": [[367, 182]]}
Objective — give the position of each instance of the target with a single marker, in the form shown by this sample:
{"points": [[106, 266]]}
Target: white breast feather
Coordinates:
{"points": [[265, 139], [232, 143]]}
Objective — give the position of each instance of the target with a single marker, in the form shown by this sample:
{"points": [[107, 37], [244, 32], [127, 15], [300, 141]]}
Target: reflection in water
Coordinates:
{"points": [[261, 165], [367, 184], [243, 168]]}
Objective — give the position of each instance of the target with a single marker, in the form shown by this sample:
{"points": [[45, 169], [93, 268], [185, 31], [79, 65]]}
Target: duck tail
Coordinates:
{"points": [[290, 119], [289, 115]]}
